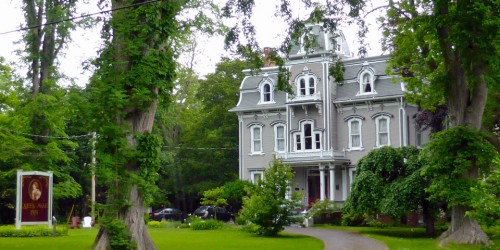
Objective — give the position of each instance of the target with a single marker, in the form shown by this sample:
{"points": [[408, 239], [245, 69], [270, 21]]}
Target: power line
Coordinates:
{"points": [[47, 136], [78, 17]]}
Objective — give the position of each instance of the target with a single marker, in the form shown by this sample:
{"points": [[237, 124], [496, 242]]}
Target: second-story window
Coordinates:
{"points": [[382, 127], [355, 134], [279, 144], [256, 142], [307, 138]]}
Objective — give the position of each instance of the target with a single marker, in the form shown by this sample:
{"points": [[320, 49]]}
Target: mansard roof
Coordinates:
{"points": [[250, 95], [385, 86]]}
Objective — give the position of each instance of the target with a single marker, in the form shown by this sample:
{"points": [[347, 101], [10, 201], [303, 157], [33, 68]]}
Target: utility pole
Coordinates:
{"points": [[92, 210]]}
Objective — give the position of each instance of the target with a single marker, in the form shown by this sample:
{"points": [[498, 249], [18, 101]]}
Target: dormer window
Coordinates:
{"points": [[266, 92], [366, 79]]}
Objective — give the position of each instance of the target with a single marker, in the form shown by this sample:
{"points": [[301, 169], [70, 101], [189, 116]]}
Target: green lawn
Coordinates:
{"points": [[168, 238], [399, 238]]}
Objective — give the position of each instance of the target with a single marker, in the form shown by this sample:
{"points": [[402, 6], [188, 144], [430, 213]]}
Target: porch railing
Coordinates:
{"points": [[312, 154]]}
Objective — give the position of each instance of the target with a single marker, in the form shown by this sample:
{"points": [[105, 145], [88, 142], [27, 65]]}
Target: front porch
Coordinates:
{"points": [[324, 181]]}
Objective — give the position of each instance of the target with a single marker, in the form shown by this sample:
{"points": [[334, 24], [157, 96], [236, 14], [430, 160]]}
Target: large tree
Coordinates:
{"points": [[134, 71], [447, 52]]}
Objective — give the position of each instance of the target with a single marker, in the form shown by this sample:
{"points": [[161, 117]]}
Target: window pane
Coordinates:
{"points": [[281, 145], [302, 87], [383, 139], [382, 125], [267, 93], [280, 131], [318, 141], [355, 143], [307, 136], [256, 133], [355, 127], [256, 146], [311, 86], [298, 144]]}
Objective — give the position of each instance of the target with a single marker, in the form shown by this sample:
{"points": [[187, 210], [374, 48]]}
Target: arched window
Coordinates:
{"points": [[266, 92], [366, 79], [307, 138], [306, 85]]}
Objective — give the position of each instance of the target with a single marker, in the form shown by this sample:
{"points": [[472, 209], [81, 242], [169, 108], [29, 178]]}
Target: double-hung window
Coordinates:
{"points": [[382, 124], [256, 139], [355, 141], [279, 132]]}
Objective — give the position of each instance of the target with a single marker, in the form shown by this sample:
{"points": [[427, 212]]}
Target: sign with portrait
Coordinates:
{"points": [[34, 198]]}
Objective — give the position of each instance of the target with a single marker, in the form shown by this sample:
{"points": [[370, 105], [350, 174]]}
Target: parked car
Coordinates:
{"points": [[211, 212], [164, 214]]}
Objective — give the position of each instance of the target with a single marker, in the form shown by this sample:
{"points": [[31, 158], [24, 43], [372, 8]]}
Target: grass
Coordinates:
{"points": [[171, 238], [401, 238]]}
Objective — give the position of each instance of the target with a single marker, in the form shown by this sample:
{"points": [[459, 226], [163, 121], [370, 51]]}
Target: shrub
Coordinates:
{"points": [[325, 211], [206, 224], [165, 224], [267, 207], [32, 231]]}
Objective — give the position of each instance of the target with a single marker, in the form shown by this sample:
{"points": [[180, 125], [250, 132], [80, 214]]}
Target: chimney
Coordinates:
{"points": [[268, 62]]}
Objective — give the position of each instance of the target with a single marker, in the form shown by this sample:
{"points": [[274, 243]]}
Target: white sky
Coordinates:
{"points": [[270, 33]]}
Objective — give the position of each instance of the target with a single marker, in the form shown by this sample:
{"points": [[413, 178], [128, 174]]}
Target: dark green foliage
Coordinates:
{"points": [[119, 236], [202, 140], [485, 199], [388, 181], [234, 191], [453, 154], [267, 206], [148, 150]]}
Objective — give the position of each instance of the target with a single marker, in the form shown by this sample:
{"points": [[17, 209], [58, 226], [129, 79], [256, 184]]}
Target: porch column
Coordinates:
{"points": [[344, 183], [322, 182], [332, 182]]}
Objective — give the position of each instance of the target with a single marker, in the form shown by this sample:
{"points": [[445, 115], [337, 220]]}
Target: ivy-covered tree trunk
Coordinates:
{"points": [[135, 71]]}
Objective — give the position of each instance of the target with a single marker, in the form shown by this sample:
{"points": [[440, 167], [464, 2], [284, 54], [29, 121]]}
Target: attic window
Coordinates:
{"points": [[366, 80]]}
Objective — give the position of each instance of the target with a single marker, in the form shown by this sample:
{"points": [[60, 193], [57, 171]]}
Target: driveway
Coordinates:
{"points": [[339, 240]]}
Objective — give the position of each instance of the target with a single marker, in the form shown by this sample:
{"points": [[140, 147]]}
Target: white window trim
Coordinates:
{"points": [[261, 91], [302, 138], [372, 83], [254, 173], [351, 177], [377, 120], [252, 141], [276, 138], [350, 148], [306, 78]]}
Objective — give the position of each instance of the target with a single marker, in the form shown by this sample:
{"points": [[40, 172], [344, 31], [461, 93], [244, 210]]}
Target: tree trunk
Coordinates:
{"points": [[139, 121], [428, 218], [463, 229]]}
